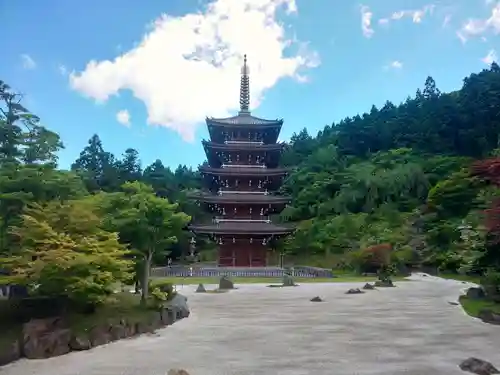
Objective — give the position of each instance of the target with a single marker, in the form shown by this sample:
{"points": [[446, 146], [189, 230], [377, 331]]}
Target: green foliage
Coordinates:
{"points": [[158, 298], [398, 175], [491, 284], [148, 224], [162, 284], [62, 250], [454, 196], [58, 240]]}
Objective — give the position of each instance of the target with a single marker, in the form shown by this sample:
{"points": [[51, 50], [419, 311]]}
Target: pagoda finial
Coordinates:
{"points": [[245, 88]]}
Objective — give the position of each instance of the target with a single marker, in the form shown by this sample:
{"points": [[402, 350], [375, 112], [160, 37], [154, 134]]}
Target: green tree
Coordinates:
{"points": [[97, 167], [63, 251], [147, 223], [22, 138]]}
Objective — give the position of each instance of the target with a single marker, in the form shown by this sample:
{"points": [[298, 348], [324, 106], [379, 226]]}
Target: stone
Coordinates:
{"points": [[117, 332], [475, 293], [10, 353], [478, 366], [99, 335], [46, 345], [37, 327], [225, 283], [354, 291], [453, 303], [141, 328], [179, 305], [489, 316], [168, 316], [79, 342], [316, 299], [175, 371], [288, 280], [384, 284], [201, 289], [44, 338], [369, 286]]}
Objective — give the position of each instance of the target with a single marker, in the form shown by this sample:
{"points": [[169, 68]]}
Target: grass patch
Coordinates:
{"points": [[458, 277], [474, 306], [217, 291], [120, 306], [271, 280], [10, 331]]}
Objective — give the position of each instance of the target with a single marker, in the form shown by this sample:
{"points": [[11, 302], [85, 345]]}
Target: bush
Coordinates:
{"points": [[491, 284], [158, 298], [163, 286]]}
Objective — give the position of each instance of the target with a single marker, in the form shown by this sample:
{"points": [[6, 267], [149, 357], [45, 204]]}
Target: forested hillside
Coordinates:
{"points": [[29, 176], [102, 171], [401, 174]]}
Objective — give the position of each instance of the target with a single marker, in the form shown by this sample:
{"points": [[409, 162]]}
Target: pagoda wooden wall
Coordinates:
{"points": [[243, 211], [242, 253]]}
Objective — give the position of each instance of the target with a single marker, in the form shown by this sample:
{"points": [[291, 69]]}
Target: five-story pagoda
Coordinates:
{"points": [[242, 177]]}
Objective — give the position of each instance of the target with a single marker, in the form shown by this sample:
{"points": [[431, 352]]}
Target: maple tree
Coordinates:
{"points": [[62, 250]]}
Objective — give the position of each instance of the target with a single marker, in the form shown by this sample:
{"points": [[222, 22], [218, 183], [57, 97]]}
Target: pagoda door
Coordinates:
{"points": [[226, 255], [243, 252], [258, 256]]}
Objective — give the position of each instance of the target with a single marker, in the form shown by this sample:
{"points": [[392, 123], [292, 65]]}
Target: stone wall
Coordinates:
{"points": [[45, 338]]}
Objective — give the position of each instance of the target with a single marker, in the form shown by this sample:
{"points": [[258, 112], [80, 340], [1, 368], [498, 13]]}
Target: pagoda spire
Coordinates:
{"points": [[245, 88]]}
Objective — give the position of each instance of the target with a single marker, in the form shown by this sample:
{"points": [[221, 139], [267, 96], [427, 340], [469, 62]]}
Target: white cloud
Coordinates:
{"points": [[396, 64], [416, 15], [62, 69], [28, 62], [366, 21], [186, 68], [123, 117], [490, 57], [446, 20], [475, 27]]}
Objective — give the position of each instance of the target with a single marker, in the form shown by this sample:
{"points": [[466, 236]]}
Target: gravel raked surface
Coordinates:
{"points": [[410, 329]]}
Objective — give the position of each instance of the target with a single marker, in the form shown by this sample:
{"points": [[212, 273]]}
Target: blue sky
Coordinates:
{"points": [[160, 67]]}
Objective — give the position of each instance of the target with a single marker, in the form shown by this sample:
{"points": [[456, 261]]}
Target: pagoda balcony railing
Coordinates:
{"points": [[265, 219], [259, 166], [255, 192], [243, 142]]}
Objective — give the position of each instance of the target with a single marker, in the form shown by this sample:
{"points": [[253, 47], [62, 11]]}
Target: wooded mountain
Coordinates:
{"points": [[399, 174]]}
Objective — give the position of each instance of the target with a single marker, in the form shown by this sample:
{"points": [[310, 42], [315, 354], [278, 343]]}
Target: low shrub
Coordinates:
{"points": [[491, 284], [163, 286]]}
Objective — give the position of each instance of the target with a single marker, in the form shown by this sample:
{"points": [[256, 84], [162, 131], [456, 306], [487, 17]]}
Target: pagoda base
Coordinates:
{"points": [[242, 253]]}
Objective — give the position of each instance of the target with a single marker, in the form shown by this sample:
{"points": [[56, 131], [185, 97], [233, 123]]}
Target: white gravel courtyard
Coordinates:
{"points": [[411, 329]]}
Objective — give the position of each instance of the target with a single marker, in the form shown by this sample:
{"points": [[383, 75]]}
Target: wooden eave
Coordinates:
{"points": [[243, 171], [232, 228], [238, 198], [208, 145]]}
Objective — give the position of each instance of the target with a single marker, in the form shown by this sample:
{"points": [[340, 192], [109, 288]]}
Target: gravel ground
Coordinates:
{"points": [[411, 329]]}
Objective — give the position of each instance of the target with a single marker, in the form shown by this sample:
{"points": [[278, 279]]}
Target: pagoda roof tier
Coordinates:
{"points": [[240, 198], [243, 171], [244, 227], [244, 119], [242, 146]]}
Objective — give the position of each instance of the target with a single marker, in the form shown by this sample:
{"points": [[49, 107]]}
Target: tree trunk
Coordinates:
{"points": [[145, 278]]}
